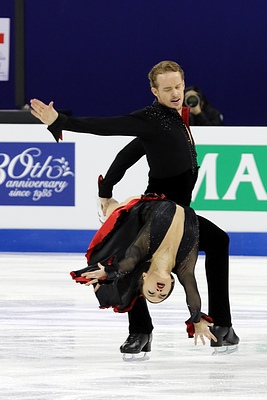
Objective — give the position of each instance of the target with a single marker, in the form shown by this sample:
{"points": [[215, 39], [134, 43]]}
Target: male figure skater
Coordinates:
{"points": [[166, 140]]}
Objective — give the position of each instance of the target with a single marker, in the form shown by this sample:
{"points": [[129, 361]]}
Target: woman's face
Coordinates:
{"points": [[156, 287]]}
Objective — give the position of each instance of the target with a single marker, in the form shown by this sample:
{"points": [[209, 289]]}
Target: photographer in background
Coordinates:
{"points": [[201, 111]]}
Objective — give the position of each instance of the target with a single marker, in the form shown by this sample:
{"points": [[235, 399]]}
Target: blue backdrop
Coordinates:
{"points": [[92, 57]]}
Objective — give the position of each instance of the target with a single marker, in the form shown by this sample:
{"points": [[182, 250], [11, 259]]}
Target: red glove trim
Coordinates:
{"points": [[190, 329]]}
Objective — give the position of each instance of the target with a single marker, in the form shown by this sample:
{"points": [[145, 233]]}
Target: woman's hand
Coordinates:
{"points": [[95, 275], [202, 329], [45, 113]]}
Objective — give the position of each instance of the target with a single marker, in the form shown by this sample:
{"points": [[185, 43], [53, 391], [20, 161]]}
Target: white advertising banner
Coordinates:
{"points": [[48, 190], [49, 185], [4, 48]]}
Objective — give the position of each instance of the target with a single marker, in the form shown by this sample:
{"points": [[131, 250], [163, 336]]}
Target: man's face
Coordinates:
{"points": [[170, 90]]}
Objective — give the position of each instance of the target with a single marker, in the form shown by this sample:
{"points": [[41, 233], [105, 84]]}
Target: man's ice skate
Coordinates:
{"points": [[224, 350], [136, 347], [227, 340]]}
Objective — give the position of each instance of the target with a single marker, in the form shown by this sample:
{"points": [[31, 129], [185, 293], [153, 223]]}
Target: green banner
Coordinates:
{"points": [[231, 177]]}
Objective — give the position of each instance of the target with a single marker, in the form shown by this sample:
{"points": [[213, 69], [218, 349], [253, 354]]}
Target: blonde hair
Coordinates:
{"points": [[160, 68]]}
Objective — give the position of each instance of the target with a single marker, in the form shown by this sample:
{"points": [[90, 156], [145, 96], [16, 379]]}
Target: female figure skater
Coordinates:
{"points": [[135, 251]]}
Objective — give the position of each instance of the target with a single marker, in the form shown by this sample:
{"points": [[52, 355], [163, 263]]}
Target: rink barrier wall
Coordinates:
{"points": [[48, 190], [77, 241]]}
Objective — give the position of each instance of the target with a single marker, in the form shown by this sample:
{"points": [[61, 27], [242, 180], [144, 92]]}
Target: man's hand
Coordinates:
{"points": [[108, 205], [104, 205], [45, 113], [201, 330]]}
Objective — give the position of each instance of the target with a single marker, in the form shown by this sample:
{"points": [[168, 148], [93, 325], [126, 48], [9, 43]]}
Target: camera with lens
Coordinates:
{"points": [[192, 100]]}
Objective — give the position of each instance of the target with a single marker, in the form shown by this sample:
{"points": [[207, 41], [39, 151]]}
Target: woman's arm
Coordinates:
{"points": [[198, 323]]}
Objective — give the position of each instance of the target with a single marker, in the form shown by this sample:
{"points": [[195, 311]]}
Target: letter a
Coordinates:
{"points": [[248, 164], [208, 169]]}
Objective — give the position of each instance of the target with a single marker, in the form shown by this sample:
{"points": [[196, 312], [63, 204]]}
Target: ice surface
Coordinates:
{"points": [[57, 344]]}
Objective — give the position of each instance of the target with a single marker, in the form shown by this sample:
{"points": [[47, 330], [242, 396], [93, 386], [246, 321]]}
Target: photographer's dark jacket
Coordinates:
{"points": [[161, 135], [208, 117]]}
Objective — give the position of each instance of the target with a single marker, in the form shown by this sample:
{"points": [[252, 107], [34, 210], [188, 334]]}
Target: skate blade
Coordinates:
{"points": [[224, 350], [129, 357]]}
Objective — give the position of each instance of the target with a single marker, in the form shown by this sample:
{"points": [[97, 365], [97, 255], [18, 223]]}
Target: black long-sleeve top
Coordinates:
{"points": [[162, 136]]}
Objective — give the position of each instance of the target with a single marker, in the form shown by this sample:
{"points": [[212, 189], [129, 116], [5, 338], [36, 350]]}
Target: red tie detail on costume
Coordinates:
{"points": [[185, 115]]}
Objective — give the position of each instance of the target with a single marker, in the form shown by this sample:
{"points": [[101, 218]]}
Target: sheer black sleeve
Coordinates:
{"points": [[186, 275]]}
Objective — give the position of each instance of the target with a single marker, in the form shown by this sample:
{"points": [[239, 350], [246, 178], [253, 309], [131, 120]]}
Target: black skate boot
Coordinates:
{"points": [[227, 339], [135, 344]]}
